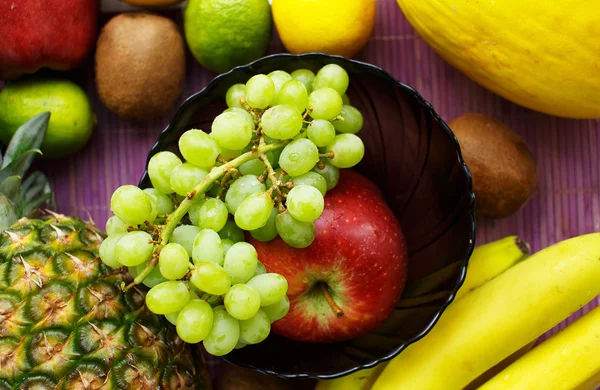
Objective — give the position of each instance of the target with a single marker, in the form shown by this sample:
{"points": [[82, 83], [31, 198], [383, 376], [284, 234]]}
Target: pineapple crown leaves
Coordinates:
{"points": [[20, 195]]}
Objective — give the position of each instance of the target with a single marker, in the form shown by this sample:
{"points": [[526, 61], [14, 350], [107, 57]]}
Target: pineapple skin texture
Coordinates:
{"points": [[65, 323]]}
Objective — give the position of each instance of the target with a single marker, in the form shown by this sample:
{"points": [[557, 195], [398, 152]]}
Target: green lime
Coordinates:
{"points": [[71, 117], [222, 34]]}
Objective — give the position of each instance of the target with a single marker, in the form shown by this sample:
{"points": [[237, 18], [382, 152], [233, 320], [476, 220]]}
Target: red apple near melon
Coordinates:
{"points": [[350, 278]]}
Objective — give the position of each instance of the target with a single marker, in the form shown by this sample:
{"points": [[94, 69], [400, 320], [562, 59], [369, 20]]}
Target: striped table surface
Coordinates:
{"points": [[566, 204]]}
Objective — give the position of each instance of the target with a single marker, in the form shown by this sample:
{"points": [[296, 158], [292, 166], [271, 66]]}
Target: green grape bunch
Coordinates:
{"points": [[264, 168]]}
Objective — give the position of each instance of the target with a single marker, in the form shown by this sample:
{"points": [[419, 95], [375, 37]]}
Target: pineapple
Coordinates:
{"points": [[65, 322]]}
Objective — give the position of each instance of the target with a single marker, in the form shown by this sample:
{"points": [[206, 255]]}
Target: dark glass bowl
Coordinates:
{"points": [[415, 160]]}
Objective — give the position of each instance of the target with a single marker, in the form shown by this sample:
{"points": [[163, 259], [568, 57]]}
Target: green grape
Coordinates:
{"points": [[132, 205], [208, 248], [240, 262], [209, 213], [242, 301], [295, 233], [256, 329], [234, 95], [254, 211], [227, 243], [326, 103], [167, 297], [133, 271], [198, 148], [279, 78], [163, 202], [260, 268], [271, 287], [278, 310], [153, 278], [154, 204], [332, 76], [134, 248], [185, 235], [114, 225], [253, 167], [305, 203], [347, 150], [294, 94], [232, 232], [299, 157], [107, 250], [330, 173], [260, 92], [211, 278], [233, 129], [185, 177], [345, 99], [194, 321], [321, 132], [240, 190], [282, 121], [224, 334], [312, 179], [160, 168], [353, 120], [229, 154], [306, 77], [243, 114], [240, 344], [194, 211], [173, 261], [267, 232], [172, 317], [273, 155]]}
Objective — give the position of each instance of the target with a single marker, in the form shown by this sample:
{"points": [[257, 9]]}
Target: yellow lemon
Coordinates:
{"points": [[330, 26]]}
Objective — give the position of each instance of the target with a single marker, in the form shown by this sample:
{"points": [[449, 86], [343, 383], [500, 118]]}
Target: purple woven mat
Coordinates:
{"points": [[567, 202]]}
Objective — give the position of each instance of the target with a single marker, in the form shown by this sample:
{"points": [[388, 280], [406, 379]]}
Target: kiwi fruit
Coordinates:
{"points": [[505, 174], [140, 65]]}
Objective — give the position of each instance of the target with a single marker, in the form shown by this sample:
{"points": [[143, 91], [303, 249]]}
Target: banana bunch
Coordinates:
{"points": [[483, 340]]}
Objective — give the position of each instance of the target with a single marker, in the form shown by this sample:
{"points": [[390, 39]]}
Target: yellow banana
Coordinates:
{"points": [[495, 320], [492, 372], [487, 262], [490, 260], [567, 361], [360, 380]]}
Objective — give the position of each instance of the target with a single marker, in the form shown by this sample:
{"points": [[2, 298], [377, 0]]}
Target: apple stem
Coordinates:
{"points": [[336, 309]]}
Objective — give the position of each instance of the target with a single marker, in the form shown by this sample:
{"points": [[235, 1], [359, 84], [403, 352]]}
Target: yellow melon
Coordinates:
{"points": [[544, 55]]}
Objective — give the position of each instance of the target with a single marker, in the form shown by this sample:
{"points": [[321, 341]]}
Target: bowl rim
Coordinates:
{"points": [[434, 115]]}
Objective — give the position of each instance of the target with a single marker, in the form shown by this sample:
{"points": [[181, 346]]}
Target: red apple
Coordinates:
{"points": [[350, 278], [45, 33]]}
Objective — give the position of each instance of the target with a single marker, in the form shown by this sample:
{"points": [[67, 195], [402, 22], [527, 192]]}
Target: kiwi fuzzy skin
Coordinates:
{"points": [[140, 65], [505, 174]]}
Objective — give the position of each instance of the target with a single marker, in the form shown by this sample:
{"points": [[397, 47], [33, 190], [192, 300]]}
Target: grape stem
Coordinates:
{"points": [[327, 294], [146, 271], [329, 155]]}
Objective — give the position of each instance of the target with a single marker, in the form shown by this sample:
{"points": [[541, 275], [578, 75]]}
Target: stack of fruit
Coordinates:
{"points": [[484, 339], [262, 157]]}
